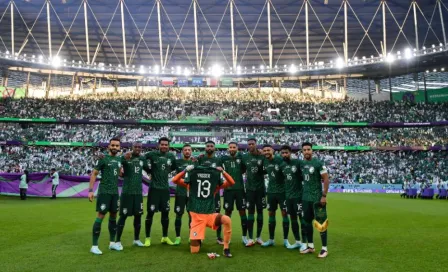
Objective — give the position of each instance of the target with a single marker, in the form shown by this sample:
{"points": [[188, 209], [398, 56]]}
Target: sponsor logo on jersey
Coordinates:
{"points": [[311, 170]]}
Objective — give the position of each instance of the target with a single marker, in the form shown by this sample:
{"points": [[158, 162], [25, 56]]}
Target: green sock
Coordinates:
{"points": [[178, 225], [323, 237], [285, 227], [96, 230], [121, 222], [271, 227], [244, 224], [295, 228], [250, 225], [112, 228], [259, 223]]}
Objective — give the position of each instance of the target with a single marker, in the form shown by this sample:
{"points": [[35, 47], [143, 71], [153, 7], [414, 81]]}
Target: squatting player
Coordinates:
{"points": [[162, 163], [293, 194], [276, 194], [209, 159], [181, 198], [255, 191], [313, 198], [107, 199], [131, 200], [203, 183], [233, 165]]}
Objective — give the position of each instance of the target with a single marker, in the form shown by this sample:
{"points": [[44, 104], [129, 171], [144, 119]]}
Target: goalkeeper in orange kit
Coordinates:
{"points": [[203, 183]]}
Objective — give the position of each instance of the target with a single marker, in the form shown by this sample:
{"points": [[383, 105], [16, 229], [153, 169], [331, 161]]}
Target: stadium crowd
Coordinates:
{"points": [[344, 167], [266, 135], [246, 104]]}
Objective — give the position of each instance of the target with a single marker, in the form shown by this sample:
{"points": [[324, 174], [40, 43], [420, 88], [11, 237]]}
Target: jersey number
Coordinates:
{"points": [[115, 172], [232, 164], [307, 177], [203, 188], [137, 169]]}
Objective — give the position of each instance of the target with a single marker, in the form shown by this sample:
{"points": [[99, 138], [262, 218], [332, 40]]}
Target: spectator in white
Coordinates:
{"points": [[55, 181], [23, 185]]}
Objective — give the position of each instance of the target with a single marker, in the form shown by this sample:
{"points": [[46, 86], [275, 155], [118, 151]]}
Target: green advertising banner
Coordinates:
{"points": [[340, 124], [19, 93], [434, 96], [32, 120], [226, 82], [192, 133]]}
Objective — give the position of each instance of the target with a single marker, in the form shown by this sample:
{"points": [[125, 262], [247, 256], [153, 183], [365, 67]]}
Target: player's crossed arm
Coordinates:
{"points": [[178, 179], [228, 181]]}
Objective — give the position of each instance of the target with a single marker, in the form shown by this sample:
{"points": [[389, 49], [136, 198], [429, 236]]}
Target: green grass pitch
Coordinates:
{"points": [[366, 233]]}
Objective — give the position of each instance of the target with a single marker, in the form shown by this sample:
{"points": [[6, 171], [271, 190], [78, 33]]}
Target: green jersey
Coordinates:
{"points": [[181, 165], [293, 179], [109, 168], [203, 183], [254, 172], [312, 180], [133, 174], [161, 164], [273, 170], [235, 168], [209, 162]]}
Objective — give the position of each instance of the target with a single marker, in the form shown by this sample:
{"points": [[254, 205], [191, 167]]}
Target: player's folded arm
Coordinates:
{"points": [[178, 179], [228, 181]]}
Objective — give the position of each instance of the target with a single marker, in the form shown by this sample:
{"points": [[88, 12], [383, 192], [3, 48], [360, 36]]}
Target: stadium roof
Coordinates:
{"points": [[287, 21]]}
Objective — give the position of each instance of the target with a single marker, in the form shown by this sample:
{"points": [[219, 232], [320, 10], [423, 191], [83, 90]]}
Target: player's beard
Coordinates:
{"points": [[113, 151], [232, 153], [209, 152], [307, 156], [187, 157]]}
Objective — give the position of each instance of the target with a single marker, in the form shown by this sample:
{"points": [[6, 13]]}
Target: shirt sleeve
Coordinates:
{"points": [[322, 168], [99, 165]]}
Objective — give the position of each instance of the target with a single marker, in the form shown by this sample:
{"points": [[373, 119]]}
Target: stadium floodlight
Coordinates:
{"points": [[41, 59], [216, 71], [390, 58], [56, 61], [443, 69], [238, 70], [293, 69], [187, 72], [178, 70], [142, 69], [261, 68], [339, 63], [435, 70], [156, 69], [408, 53]]}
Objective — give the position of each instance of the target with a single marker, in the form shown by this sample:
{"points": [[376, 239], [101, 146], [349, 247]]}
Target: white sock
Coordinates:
{"points": [[118, 243], [286, 241], [311, 245], [299, 242], [135, 241], [178, 237], [111, 243], [94, 247], [324, 248], [244, 237]]}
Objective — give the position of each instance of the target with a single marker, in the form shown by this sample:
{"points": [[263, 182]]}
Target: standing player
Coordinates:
{"points": [[162, 164], [131, 200], [203, 182], [55, 182], [209, 159], [107, 199], [293, 188], [276, 194], [181, 192], [314, 200], [232, 163], [255, 191]]}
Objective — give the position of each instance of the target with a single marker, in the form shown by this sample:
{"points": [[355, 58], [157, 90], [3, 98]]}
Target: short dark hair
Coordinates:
{"points": [[164, 139], [210, 142], [267, 145], [286, 147], [186, 145], [235, 143], [137, 143], [251, 139], [53, 169], [307, 144], [115, 139]]}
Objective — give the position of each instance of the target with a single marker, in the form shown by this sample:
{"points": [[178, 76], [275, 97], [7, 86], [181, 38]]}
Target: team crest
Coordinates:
{"points": [[141, 163], [152, 207], [125, 211], [311, 170], [238, 161], [168, 162], [119, 164], [213, 164], [103, 207], [259, 162], [276, 167], [294, 169]]}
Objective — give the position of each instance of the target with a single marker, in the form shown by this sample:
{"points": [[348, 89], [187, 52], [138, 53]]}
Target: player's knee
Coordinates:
{"points": [[194, 249], [242, 212], [228, 212], [149, 215], [271, 213], [113, 215], [101, 216], [179, 215], [284, 213], [260, 212]]}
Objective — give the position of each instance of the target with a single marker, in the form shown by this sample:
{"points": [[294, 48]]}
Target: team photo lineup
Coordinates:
{"points": [[223, 135], [298, 188]]}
